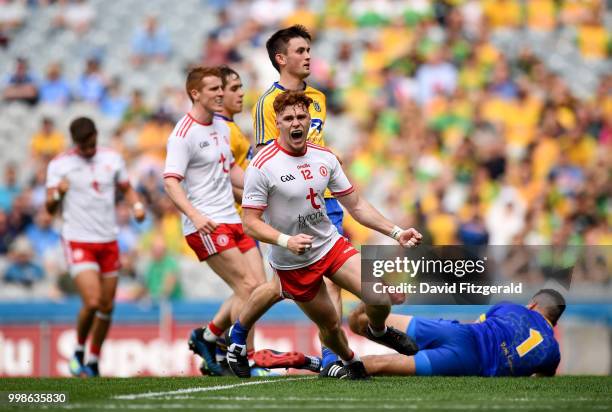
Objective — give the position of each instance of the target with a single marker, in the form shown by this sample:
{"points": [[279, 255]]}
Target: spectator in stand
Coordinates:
{"points": [[594, 38], [473, 231], [42, 236], [55, 89], [48, 142], [435, 77], [21, 85], [137, 112], [91, 86], [153, 136], [13, 14], [76, 15], [150, 43], [114, 103], [21, 214], [216, 53], [22, 268], [161, 278], [501, 84], [10, 189], [7, 234]]}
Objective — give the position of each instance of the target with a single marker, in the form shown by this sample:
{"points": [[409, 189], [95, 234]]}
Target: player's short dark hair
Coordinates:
{"points": [[278, 42], [195, 76], [81, 129], [226, 73], [551, 303], [291, 98]]}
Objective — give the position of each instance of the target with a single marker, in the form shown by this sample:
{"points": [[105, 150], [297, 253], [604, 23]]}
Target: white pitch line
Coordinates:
{"points": [[204, 389]]}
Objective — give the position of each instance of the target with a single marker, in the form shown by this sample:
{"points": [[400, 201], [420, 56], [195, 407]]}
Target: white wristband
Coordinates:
{"points": [[56, 195], [138, 206], [395, 232], [283, 240]]}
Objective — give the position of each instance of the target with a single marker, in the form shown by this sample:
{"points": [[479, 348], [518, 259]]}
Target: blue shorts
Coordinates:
{"points": [[334, 213], [446, 348]]}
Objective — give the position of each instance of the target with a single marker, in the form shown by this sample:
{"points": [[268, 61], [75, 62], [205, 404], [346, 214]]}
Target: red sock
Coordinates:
{"points": [[250, 353], [81, 340], [215, 329], [94, 350]]}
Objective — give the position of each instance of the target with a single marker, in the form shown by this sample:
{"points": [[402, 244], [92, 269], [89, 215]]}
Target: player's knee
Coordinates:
{"points": [[243, 289], [330, 327], [92, 303], [106, 307], [250, 284]]}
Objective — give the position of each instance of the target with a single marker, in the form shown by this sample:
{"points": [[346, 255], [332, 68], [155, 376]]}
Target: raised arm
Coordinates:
{"points": [[366, 214]]}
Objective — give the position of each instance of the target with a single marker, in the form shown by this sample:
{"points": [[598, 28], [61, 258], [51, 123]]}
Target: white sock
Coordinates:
{"points": [[79, 348], [354, 359], [209, 336], [377, 334], [92, 359]]}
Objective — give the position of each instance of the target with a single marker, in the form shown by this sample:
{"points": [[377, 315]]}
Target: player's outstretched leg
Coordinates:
{"points": [[321, 311], [348, 277]]}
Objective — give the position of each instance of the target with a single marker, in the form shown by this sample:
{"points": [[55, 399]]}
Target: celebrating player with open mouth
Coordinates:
{"points": [[283, 205]]}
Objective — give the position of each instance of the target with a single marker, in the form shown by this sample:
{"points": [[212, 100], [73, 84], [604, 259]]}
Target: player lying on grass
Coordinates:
{"points": [[284, 206], [509, 340]]}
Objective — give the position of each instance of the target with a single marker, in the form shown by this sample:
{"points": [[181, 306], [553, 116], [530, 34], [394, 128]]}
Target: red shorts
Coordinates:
{"points": [[303, 284], [225, 236], [102, 257]]}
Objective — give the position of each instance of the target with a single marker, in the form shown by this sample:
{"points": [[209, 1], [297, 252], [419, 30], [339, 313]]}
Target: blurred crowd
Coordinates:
{"points": [[434, 122]]}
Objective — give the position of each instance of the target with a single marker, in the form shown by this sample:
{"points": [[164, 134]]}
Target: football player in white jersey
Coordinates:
{"points": [[284, 206], [198, 177], [83, 180]]}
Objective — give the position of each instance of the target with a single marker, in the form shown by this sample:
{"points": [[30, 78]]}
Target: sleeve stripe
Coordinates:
{"points": [[344, 192], [175, 175], [254, 207]]}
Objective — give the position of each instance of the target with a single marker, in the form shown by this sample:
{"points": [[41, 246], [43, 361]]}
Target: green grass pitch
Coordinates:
{"points": [[296, 393]]}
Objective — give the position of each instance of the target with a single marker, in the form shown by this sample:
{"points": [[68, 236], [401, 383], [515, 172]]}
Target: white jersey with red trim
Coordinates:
{"points": [[199, 155], [88, 208], [289, 189]]}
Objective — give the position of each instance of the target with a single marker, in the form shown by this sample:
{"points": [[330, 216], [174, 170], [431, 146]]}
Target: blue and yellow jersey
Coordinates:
{"points": [[513, 340], [239, 145], [264, 117]]}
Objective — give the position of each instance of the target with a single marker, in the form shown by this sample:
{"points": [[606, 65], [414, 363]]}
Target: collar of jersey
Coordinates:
{"points": [[227, 119], [544, 317], [278, 86], [288, 152], [203, 124]]}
